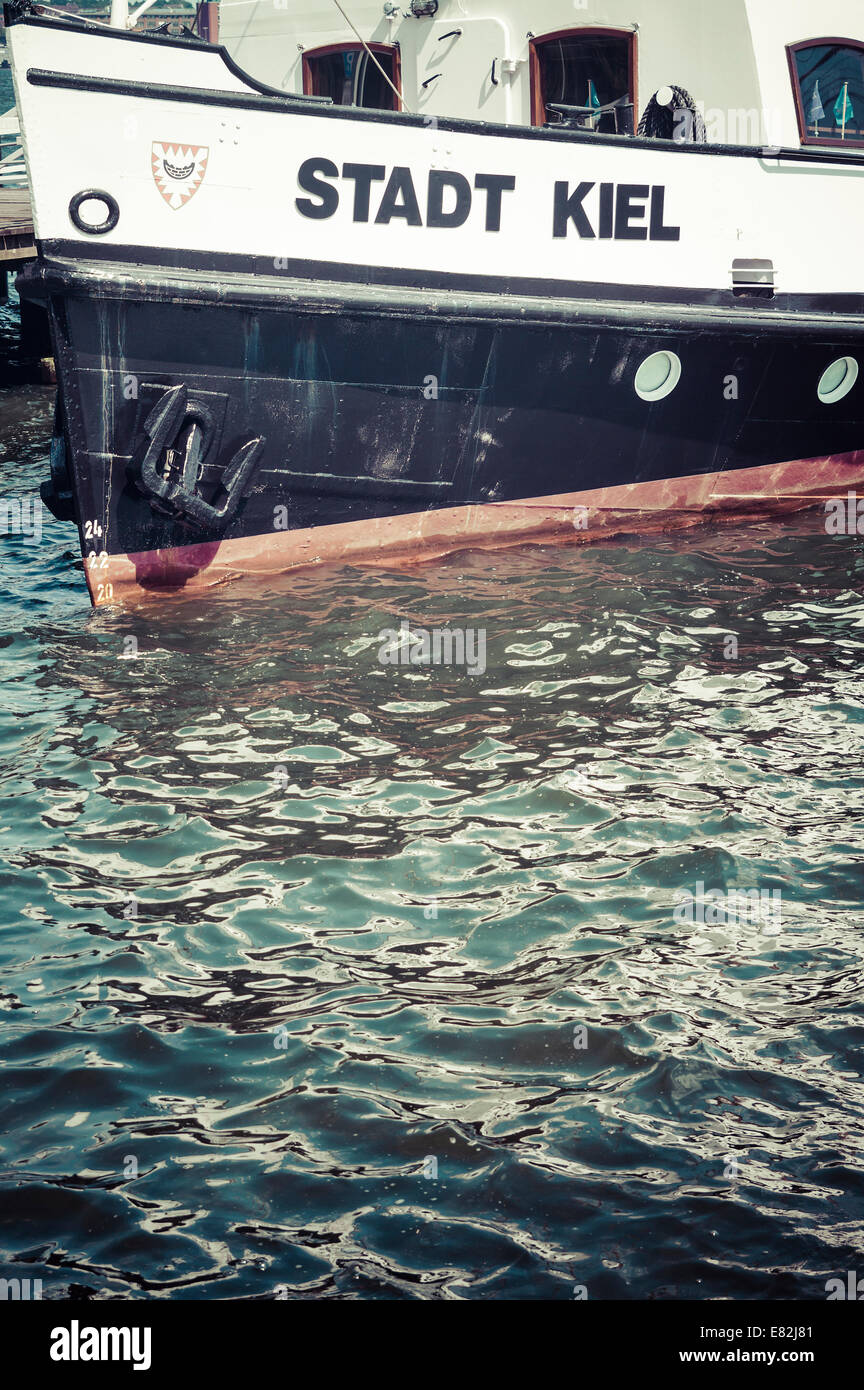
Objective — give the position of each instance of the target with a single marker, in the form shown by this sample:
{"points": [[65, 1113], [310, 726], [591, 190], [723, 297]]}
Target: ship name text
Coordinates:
{"points": [[591, 210]]}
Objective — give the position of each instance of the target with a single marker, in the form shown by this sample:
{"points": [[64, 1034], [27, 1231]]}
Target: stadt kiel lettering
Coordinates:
{"points": [[443, 198]]}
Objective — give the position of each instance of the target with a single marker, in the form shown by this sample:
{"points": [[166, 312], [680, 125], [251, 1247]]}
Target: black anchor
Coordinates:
{"points": [[180, 499]]}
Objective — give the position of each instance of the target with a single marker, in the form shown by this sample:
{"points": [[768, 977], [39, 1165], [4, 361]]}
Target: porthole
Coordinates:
{"points": [[837, 380], [658, 376]]}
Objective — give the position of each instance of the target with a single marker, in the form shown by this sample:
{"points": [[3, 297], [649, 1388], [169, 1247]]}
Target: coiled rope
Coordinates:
{"points": [[676, 119]]}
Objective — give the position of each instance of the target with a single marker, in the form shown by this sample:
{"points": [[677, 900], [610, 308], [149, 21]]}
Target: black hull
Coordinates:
{"points": [[376, 401]]}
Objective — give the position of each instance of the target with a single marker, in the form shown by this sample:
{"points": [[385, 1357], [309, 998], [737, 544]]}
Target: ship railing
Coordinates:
{"points": [[13, 171]]}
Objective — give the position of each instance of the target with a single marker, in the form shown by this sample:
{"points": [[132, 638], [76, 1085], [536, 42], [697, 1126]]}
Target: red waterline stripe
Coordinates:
{"points": [[580, 517]]}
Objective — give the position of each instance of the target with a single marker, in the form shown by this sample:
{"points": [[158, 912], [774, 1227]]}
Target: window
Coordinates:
{"points": [[828, 78], [348, 76], [588, 68]]}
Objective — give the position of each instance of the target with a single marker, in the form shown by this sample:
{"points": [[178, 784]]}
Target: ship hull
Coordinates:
{"points": [[463, 344], [393, 429]]}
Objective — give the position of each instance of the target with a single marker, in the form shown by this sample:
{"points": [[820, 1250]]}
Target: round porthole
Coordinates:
{"points": [[837, 380], [94, 212], [658, 376]]}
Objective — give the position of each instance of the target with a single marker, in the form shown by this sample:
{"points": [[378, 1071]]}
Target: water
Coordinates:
{"points": [[284, 929], [7, 91]]}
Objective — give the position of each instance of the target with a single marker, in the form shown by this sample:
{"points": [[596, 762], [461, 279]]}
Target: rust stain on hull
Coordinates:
{"points": [[570, 518]]}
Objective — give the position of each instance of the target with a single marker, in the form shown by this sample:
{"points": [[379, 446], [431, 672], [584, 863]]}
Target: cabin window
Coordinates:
{"points": [[828, 77], [348, 76], [588, 68]]}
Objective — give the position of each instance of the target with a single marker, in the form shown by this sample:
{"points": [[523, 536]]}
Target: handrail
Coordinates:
{"points": [[13, 170]]}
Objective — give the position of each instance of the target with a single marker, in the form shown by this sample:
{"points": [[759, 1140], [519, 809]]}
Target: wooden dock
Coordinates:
{"points": [[17, 245], [16, 218], [18, 242], [16, 227]]}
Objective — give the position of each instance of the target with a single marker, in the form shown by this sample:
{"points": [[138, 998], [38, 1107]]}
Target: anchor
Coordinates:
{"points": [[181, 499]]}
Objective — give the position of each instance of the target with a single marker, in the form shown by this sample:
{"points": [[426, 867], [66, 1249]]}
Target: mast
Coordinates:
{"points": [[120, 16]]}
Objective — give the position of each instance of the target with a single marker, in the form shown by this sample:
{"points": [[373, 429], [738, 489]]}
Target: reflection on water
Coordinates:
{"points": [[328, 978]]}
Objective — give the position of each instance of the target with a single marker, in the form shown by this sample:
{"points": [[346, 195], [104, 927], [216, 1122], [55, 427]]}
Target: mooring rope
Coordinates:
{"points": [[665, 122]]}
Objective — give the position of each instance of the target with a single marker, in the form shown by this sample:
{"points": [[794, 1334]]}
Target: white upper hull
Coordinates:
{"points": [[805, 217]]}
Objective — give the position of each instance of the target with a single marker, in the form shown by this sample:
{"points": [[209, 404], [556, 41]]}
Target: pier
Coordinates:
{"points": [[18, 245], [17, 242]]}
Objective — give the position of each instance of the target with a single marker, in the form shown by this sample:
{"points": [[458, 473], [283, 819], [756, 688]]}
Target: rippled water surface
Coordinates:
{"points": [[286, 930]]}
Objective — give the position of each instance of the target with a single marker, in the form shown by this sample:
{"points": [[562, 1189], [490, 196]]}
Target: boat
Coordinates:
{"points": [[371, 283]]}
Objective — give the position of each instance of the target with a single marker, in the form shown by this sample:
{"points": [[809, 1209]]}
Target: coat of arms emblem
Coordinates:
{"points": [[178, 171]]}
